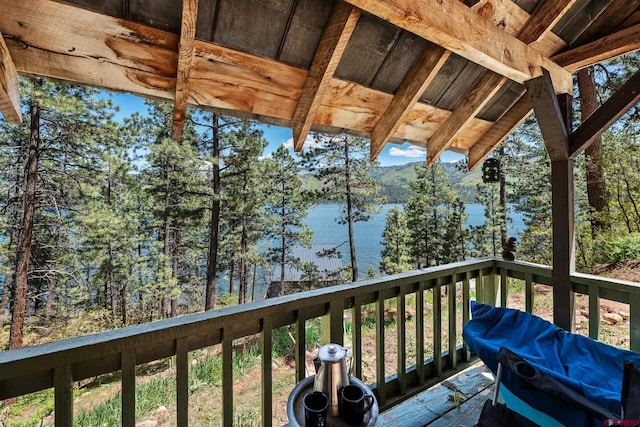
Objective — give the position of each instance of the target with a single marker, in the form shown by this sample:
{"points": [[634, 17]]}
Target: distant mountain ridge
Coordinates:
{"points": [[394, 180]]}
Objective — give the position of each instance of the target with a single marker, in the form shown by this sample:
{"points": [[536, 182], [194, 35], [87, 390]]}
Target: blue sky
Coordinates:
{"points": [[392, 154]]}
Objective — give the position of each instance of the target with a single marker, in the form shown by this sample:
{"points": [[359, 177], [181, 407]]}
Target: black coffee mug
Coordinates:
{"points": [[315, 409], [354, 404]]}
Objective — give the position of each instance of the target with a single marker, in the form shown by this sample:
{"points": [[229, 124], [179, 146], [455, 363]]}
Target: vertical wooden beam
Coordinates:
{"points": [[333, 42], [356, 336], [227, 377], [267, 377], [453, 332], [182, 381], [401, 340], [331, 324], [553, 120], [466, 310], [63, 384], [128, 373], [9, 86], [381, 384], [300, 347], [420, 333], [437, 327], [634, 322], [185, 58]]}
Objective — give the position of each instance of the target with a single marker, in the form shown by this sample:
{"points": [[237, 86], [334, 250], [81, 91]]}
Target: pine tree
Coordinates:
{"points": [[395, 256], [343, 166], [287, 207], [244, 196], [427, 214], [58, 147]]}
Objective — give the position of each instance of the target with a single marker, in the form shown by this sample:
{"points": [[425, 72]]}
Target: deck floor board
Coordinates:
{"points": [[454, 402]]}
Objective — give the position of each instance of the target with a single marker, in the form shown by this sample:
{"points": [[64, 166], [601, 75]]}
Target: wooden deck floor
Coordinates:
{"points": [[455, 402]]}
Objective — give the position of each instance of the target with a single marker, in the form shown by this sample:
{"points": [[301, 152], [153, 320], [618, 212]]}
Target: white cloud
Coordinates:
{"points": [[309, 142], [410, 152]]}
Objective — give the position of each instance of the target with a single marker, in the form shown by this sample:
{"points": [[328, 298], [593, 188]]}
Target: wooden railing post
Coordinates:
{"points": [[634, 322], [332, 327], [128, 372], [63, 382]]}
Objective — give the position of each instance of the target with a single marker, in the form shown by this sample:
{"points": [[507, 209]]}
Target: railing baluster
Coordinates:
{"points": [[480, 286], [489, 287], [356, 336], [128, 373], [401, 339], [420, 333], [300, 347], [333, 323], [380, 359], [528, 292], [267, 380], [594, 312], [453, 332], [182, 381], [634, 322], [437, 328], [227, 377], [504, 287], [63, 383], [466, 311]]}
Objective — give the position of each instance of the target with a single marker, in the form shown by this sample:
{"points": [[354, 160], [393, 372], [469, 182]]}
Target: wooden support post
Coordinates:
{"points": [[553, 119]]}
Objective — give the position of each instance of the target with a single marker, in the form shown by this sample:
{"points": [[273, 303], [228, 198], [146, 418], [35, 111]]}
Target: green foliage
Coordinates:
{"points": [[624, 248], [395, 256]]}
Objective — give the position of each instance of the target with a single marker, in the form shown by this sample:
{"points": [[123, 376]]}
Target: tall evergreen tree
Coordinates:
{"points": [[287, 207], [342, 164], [428, 212], [58, 147], [395, 256], [244, 197]]}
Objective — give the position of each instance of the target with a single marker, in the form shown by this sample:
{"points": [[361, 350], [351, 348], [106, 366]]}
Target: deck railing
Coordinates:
{"points": [[436, 298]]}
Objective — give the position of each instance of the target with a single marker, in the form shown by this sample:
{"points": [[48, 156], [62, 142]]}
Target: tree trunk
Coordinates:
{"points": [[23, 250], [175, 268], [352, 243], [166, 241], [214, 224], [596, 186]]}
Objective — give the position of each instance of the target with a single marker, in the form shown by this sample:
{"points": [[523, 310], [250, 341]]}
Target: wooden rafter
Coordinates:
{"points": [[543, 19], [419, 76], [471, 103], [535, 28], [333, 42], [447, 22], [618, 43], [627, 96], [9, 87], [499, 131], [550, 117], [185, 59]]}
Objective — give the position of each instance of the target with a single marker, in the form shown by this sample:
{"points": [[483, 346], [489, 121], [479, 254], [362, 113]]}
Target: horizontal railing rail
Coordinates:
{"points": [[437, 297]]}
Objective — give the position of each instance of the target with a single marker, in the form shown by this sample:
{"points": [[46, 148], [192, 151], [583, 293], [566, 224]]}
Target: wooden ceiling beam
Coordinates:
{"points": [[9, 86], [499, 131], [536, 28], [608, 47], [447, 23], [550, 117], [627, 96], [471, 103], [337, 32], [415, 82], [185, 59], [545, 16]]}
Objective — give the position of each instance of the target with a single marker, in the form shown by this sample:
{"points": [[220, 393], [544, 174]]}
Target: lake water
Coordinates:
{"points": [[368, 235]]}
